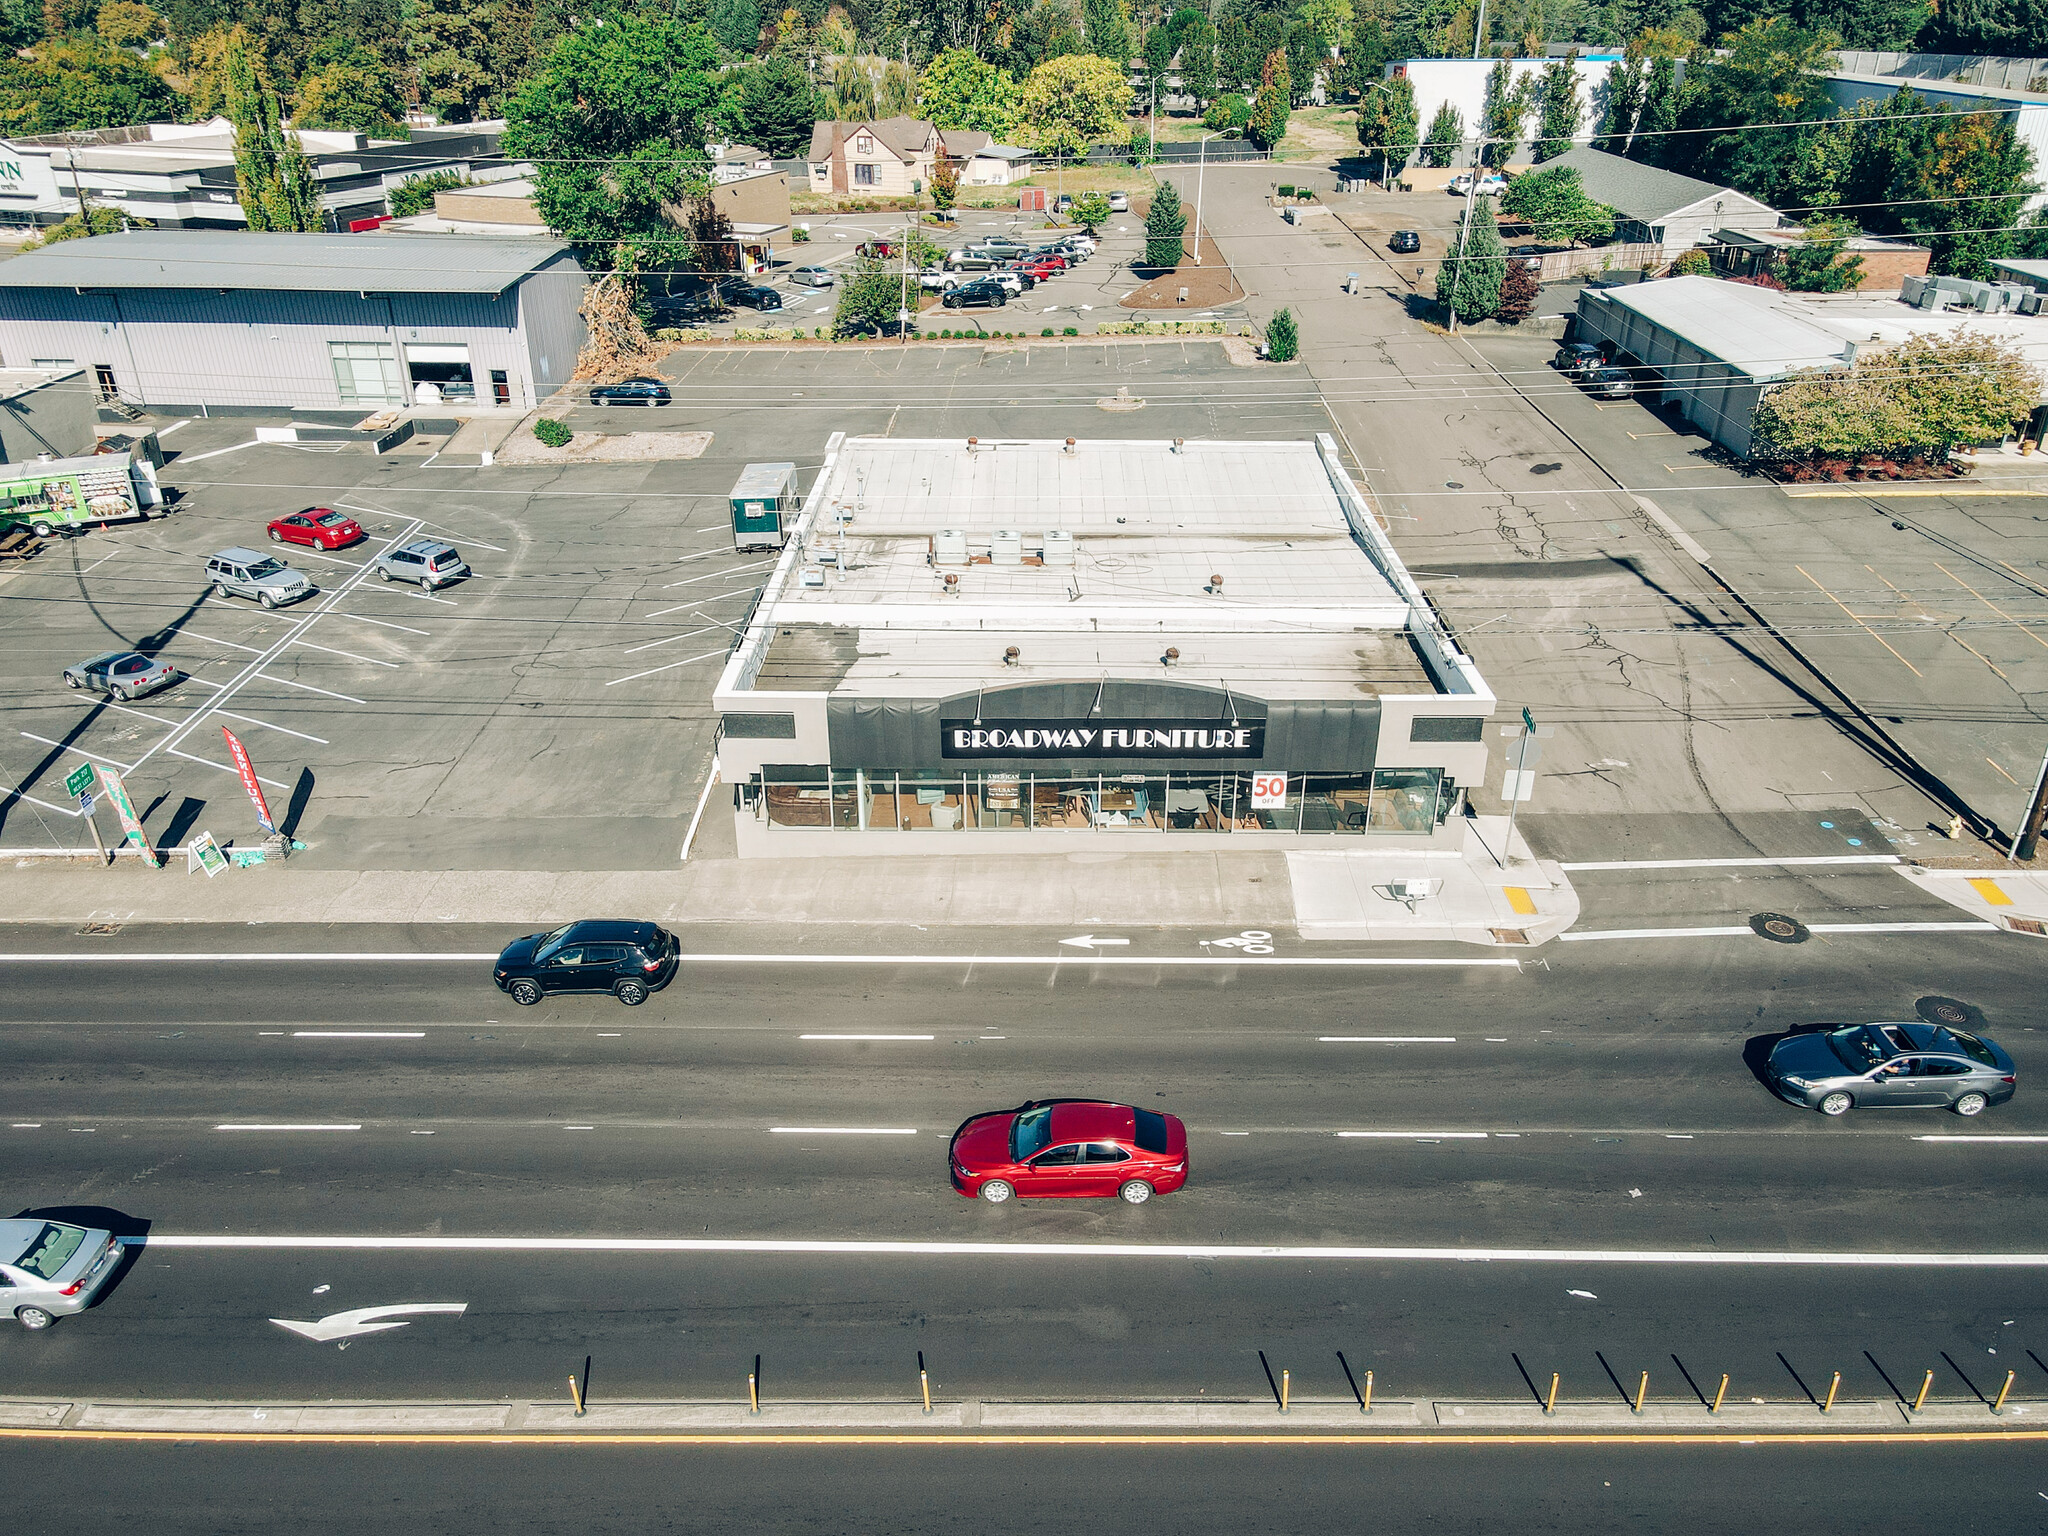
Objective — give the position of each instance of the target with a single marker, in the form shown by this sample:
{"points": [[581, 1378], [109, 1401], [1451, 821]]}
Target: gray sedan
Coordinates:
{"points": [[812, 277], [121, 675], [51, 1269], [1891, 1066]]}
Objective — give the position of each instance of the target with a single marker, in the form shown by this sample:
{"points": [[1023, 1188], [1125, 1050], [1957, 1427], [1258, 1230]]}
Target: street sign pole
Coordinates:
{"points": [[2030, 825], [79, 782], [1521, 770]]}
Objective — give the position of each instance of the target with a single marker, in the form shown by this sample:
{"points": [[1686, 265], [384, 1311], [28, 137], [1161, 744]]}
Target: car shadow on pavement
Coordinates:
{"points": [[132, 1230], [1756, 1051]]}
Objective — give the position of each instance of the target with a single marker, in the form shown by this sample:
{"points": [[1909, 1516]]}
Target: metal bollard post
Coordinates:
{"points": [[1550, 1402], [1642, 1391], [924, 1382], [1833, 1387], [1723, 1392], [576, 1395], [1999, 1406], [1283, 1390], [1366, 1406], [1920, 1398]]}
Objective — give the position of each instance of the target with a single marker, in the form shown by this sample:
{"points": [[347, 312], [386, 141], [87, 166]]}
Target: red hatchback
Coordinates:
{"points": [[1070, 1147], [318, 527]]}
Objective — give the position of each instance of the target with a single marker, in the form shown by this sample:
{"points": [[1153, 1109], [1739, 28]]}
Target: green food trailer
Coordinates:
{"points": [[50, 494], [765, 496]]}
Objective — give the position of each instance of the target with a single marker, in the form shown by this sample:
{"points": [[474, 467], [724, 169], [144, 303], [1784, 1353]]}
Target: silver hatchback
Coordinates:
{"points": [[427, 561], [51, 1269], [241, 572]]}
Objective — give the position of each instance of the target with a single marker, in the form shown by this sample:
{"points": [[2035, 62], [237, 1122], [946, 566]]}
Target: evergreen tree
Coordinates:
{"points": [[777, 106], [1166, 227], [1108, 25], [1386, 125], [1283, 337], [273, 181], [1446, 134], [1305, 55], [1625, 83], [1237, 61], [737, 25], [1268, 124], [1562, 110], [1468, 283], [1159, 47], [450, 45], [1198, 59], [1659, 113]]}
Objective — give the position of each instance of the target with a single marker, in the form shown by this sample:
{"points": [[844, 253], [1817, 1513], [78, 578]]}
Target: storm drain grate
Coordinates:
{"points": [[99, 930], [2027, 925], [1508, 935], [1779, 928]]}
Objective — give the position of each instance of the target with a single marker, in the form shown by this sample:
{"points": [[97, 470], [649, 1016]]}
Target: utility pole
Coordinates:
{"points": [[2029, 840], [1479, 29]]}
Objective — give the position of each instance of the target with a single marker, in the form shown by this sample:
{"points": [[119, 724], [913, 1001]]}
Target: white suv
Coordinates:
{"points": [[426, 561]]}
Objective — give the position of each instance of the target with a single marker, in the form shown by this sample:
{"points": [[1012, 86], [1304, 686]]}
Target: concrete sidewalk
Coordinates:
{"points": [[2015, 899], [1324, 893]]}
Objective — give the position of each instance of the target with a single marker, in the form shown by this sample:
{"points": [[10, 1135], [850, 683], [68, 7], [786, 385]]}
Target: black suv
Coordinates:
{"points": [[759, 296], [628, 960], [971, 295], [1406, 242]]}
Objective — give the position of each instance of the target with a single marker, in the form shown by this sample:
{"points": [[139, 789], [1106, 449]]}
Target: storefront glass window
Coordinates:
{"points": [[928, 802], [1405, 800], [1196, 802], [1336, 802], [1131, 802], [797, 796], [1000, 801], [846, 799], [1245, 817]]}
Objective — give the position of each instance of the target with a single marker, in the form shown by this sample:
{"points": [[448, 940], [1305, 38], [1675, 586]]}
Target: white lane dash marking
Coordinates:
{"points": [[1719, 1259], [838, 1130], [26, 1125], [356, 1127], [686, 661], [359, 1035], [864, 1037], [579, 1127], [1411, 1135], [1387, 1039]]}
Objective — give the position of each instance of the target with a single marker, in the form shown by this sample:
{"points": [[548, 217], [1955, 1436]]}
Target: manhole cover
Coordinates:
{"points": [[99, 930], [1779, 928], [1950, 1011]]}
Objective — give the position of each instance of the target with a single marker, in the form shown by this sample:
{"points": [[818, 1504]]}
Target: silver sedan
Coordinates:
{"points": [[121, 674], [51, 1269], [1891, 1066]]}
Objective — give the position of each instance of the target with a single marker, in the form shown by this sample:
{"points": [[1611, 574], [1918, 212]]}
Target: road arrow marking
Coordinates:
{"points": [[350, 1325], [1089, 941]]}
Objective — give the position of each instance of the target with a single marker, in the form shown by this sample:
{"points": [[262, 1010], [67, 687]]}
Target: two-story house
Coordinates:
{"points": [[892, 157]]}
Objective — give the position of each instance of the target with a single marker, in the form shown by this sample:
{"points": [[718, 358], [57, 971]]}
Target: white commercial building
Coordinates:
{"points": [[1462, 82], [1047, 644]]}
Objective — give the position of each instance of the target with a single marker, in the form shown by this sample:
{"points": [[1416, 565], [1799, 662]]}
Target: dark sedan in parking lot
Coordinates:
{"points": [[1606, 383], [638, 390], [1891, 1066], [759, 296]]}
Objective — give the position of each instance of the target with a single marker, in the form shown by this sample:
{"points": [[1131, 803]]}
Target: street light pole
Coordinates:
{"points": [[1201, 174]]}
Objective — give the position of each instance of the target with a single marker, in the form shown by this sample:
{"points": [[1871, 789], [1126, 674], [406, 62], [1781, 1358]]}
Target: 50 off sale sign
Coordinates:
{"points": [[1269, 791]]}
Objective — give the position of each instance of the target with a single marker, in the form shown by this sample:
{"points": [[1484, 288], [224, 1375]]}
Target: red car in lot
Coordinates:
{"points": [[1062, 1148], [319, 527], [1038, 271]]}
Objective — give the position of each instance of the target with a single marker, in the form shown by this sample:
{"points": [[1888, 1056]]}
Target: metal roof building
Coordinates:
{"points": [[1072, 639], [179, 321], [1654, 206]]}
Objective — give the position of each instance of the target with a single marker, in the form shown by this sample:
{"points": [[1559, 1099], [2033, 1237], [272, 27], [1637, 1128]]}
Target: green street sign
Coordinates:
{"points": [[79, 780], [1529, 721]]}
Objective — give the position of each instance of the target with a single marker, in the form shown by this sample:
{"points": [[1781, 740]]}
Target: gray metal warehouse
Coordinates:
{"points": [[206, 321]]}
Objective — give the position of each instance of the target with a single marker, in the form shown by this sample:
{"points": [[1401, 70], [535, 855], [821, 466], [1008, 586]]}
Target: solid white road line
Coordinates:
{"points": [[2003, 1140], [1833, 858], [837, 1130], [1744, 931], [359, 1034], [288, 1127], [686, 661], [1826, 1259], [1255, 962], [1904, 927], [1411, 1135], [1388, 1039], [241, 955], [864, 1037]]}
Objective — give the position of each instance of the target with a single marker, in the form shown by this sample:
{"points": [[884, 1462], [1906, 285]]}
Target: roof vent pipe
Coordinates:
{"points": [[1171, 658], [973, 443], [1179, 443], [1011, 655], [1070, 447], [952, 586], [1215, 586]]}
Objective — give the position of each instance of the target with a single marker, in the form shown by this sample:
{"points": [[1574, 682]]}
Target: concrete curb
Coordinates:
{"points": [[1307, 1417], [2015, 900]]}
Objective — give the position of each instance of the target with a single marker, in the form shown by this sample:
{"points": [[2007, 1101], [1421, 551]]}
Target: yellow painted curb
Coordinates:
{"points": [[248, 1437]]}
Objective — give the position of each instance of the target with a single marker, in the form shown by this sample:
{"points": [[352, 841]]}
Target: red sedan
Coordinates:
{"points": [[1038, 271], [1070, 1147], [318, 527]]}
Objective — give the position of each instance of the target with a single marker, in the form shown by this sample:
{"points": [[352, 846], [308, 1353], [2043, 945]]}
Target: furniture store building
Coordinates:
{"points": [[1055, 643]]}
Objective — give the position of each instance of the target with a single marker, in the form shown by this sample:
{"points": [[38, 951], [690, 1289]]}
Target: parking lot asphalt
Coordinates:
{"points": [[1929, 610], [553, 710], [1082, 297]]}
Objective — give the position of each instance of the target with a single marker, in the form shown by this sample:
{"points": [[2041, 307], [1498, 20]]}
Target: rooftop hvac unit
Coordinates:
{"points": [[1006, 548], [812, 576], [1059, 547], [2030, 303], [1930, 297], [1911, 288], [951, 546]]}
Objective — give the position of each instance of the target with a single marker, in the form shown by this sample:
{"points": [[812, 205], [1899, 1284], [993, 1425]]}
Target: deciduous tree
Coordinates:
{"points": [[1561, 109], [1554, 204], [350, 89], [450, 45], [1267, 124], [126, 24], [1926, 395], [1386, 124], [1070, 102], [1446, 135], [1197, 58], [961, 91], [1519, 290], [81, 83], [273, 179], [870, 297]]}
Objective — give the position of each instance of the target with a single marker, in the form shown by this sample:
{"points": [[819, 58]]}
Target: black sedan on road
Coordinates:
{"points": [[627, 959], [977, 295], [1891, 1066], [638, 390], [759, 296]]}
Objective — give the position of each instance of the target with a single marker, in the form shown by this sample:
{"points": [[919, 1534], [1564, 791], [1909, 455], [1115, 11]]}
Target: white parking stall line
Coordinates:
{"points": [[356, 1127], [223, 767], [103, 559], [839, 1130], [864, 1037], [702, 554], [679, 607], [671, 640], [1411, 1135], [314, 554], [383, 623], [233, 645], [288, 683], [96, 757], [1387, 1039], [228, 714], [428, 597], [349, 655], [42, 805], [738, 570], [1836, 858], [686, 661], [194, 458]]}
